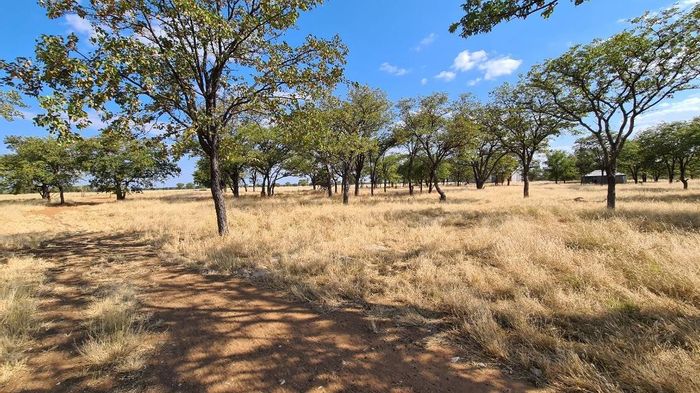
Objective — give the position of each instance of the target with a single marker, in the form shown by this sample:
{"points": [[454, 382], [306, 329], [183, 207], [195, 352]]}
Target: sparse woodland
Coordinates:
{"points": [[439, 214]]}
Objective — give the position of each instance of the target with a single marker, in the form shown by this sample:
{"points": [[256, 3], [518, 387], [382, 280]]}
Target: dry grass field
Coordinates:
{"points": [[554, 288]]}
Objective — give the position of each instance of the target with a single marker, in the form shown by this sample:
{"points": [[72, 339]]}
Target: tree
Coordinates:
{"points": [[41, 164], [588, 156], [560, 166], [605, 86], [389, 169], [120, 163], [687, 138], [482, 15], [523, 126], [195, 67], [484, 150], [440, 128], [367, 110], [269, 155], [631, 159], [10, 102]]}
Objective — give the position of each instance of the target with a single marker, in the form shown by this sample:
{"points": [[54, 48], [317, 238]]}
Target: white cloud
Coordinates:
{"points": [[79, 25], [425, 42], [424, 81], [392, 69], [467, 60], [685, 109], [446, 76], [474, 82], [498, 67]]}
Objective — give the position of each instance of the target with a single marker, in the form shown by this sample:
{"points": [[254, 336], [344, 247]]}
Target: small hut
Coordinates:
{"points": [[599, 177]]}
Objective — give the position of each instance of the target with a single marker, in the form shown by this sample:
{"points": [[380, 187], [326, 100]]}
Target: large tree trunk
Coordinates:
{"points": [[671, 170], [611, 189], [683, 179], [439, 190], [217, 194], [121, 192], [235, 179], [526, 182], [45, 192], [346, 186]]}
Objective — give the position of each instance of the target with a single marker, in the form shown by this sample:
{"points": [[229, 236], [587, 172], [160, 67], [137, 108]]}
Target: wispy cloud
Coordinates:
{"points": [[474, 82], [424, 81], [446, 76], [425, 42], [684, 109], [392, 69]]}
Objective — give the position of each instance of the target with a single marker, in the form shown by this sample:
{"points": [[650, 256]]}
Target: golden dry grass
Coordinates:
{"points": [[116, 330], [571, 295], [20, 278]]}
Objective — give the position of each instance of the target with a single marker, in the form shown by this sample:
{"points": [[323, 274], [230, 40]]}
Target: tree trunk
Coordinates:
{"points": [[359, 164], [682, 169], [443, 197], [479, 184], [63, 200], [121, 193], [346, 186], [611, 189], [385, 185], [217, 194], [235, 179], [526, 183]]}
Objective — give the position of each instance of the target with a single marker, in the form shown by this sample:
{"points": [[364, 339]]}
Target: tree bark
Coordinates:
{"points": [[217, 194], [443, 196], [121, 192], [611, 189], [60, 193], [346, 186], [526, 183], [235, 179]]}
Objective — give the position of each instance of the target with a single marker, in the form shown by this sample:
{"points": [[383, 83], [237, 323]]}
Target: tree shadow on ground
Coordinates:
{"points": [[224, 334]]}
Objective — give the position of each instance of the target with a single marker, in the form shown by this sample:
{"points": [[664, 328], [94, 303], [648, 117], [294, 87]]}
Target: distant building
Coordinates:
{"points": [[599, 177]]}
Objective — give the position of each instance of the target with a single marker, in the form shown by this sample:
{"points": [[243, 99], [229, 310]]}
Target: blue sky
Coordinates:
{"points": [[404, 48]]}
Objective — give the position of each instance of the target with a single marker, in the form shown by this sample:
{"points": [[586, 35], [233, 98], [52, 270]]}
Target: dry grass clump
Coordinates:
{"points": [[20, 278], [574, 296], [117, 338]]}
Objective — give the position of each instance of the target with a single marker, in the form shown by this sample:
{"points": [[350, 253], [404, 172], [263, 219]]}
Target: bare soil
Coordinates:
{"points": [[222, 334]]}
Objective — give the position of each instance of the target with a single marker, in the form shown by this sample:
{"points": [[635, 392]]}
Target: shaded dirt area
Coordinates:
{"points": [[222, 334]]}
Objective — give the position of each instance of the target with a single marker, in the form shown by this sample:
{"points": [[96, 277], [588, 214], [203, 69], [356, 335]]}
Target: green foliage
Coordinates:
{"points": [[120, 163], [561, 166], [10, 102], [39, 164], [483, 15], [605, 86]]}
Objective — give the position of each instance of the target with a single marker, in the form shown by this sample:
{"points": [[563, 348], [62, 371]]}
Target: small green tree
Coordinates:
{"points": [[631, 159], [560, 166], [120, 163], [440, 128], [41, 164]]}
